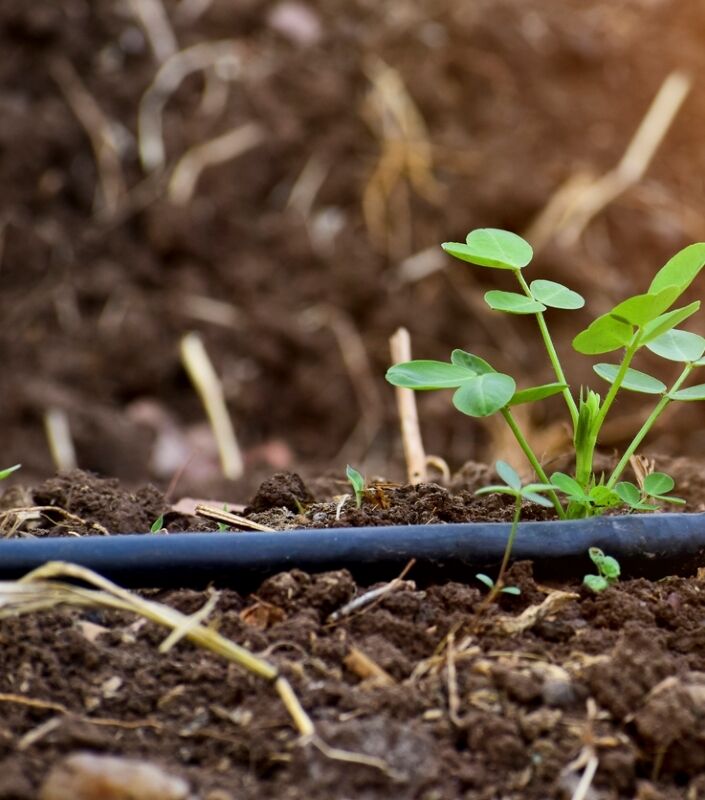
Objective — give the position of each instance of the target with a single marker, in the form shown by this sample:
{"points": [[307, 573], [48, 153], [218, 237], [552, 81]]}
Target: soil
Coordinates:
{"points": [[461, 700], [295, 261]]}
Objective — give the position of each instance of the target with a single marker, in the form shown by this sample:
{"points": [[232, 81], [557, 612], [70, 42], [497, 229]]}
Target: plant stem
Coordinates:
{"points": [[646, 427], [552, 354], [585, 457], [499, 583], [529, 453]]}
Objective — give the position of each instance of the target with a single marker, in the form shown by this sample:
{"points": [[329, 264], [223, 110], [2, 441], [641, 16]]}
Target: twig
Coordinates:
{"points": [[58, 433], [100, 131], [24, 512], [205, 380], [188, 169], [154, 21], [220, 515], [580, 207], [166, 82], [371, 598], [414, 453]]}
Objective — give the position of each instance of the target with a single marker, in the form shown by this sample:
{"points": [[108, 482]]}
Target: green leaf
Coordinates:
{"points": [[654, 329], [357, 482], [512, 302], [644, 308], [485, 394], [508, 474], [539, 487], [596, 583], [539, 499], [534, 393], [497, 489], [8, 471], [515, 590], [491, 247], [604, 497], [427, 375], [696, 392], [471, 362], [678, 345], [676, 501], [555, 295], [569, 486], [603, 335], [629, 493], [658, 483], [634, 380], [680, 270], [489, 583], [157, 525]]}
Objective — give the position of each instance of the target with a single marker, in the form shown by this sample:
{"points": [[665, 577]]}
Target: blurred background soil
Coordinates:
{"points": [[277, 177]]}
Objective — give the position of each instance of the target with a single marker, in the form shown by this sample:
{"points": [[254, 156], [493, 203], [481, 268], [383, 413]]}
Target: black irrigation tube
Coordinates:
{"points": [[652, 545]]}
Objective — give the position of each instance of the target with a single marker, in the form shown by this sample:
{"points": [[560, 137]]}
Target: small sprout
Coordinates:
{"points": [[532, 492], [357, 482], [646, 320], [158, 524], [5, 472], [489, 583], [608, 571]]}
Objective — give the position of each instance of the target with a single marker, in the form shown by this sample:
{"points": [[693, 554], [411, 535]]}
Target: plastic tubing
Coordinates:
{"points": [[652, 545]]}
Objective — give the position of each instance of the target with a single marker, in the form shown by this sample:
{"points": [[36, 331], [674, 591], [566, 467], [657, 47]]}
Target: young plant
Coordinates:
{"points": [[608, 571], [4, 473], [158, 525], [357, 482], [532, 493], [647, 320]]}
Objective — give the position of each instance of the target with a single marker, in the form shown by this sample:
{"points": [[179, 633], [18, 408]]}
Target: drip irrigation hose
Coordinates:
{"points": [[652, 545]]}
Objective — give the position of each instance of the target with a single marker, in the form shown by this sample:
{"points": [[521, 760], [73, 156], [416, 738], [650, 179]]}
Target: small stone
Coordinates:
{"points": [[86, 776]]}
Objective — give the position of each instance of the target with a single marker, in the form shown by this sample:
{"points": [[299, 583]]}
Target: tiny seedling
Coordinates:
{"points": [[608, 571], [4, 473], [157, 525], [357, 482], [532, 492], [647, 320]]}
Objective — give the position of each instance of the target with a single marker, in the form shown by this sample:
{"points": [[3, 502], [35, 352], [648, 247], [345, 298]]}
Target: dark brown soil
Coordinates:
{"points": [[468, 701]]}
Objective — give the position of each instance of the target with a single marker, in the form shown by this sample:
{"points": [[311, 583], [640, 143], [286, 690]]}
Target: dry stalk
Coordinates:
{"points": [[406, 156], [100, 131], [166, 82], [207, 384], [188, 169], [58, 433], [414, 453], [577, 202], [23, 513], [371, 598], [155, 23], [220, 515], [42, 589]]}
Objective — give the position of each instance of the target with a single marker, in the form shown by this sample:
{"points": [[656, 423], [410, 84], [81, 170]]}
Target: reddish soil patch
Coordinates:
{"points": [[466, 702]]}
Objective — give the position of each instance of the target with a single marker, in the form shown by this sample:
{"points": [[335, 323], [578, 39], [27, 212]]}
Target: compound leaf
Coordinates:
{"points": [[603, 335], [678, 345], [534, 393], [427, 375], [512, 302], [470, 362], [491, 247], [555, 295], [680, 270], [690, 394], [633, 380], [485, 394]]}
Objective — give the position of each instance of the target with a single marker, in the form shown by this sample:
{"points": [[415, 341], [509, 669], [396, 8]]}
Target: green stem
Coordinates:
{"points": [[552, 354], [535, 463], [646, 427], [499, 583], [585, 457]]}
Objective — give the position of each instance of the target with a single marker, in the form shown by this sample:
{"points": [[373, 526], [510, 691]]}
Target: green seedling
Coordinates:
{"points": [[647, 320], [533, 493], [357, 482], [157, 525], [608, 570], [4, 473]]}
